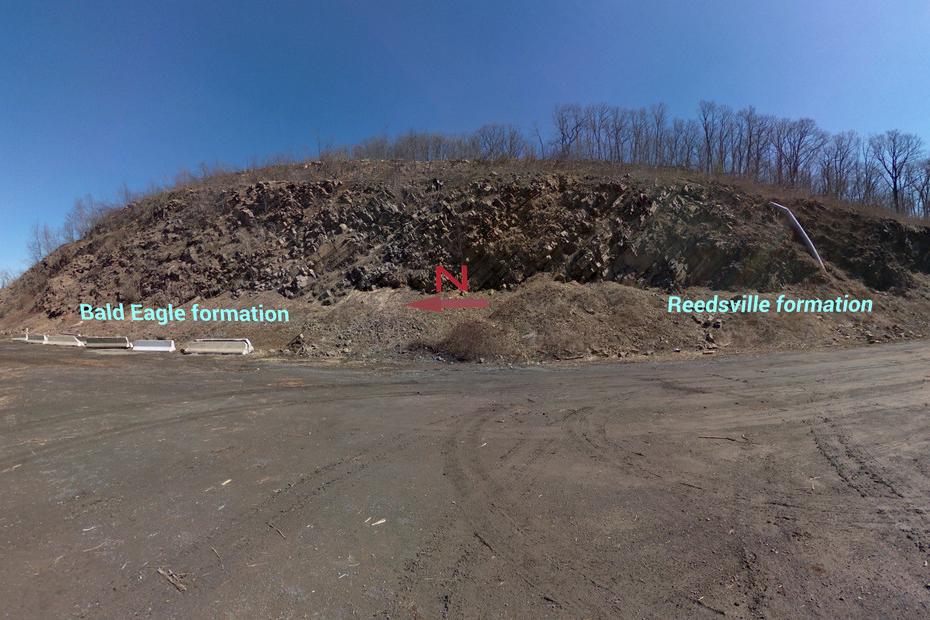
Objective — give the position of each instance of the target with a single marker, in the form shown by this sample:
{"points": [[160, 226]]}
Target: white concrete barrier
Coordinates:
{"points": [[248, 343], [106, 342], [154, 346], [36, 338], [216, 346], [23, 338], [64, 341]]}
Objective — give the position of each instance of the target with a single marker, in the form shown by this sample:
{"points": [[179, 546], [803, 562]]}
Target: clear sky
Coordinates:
{"points": [[95, 94]]}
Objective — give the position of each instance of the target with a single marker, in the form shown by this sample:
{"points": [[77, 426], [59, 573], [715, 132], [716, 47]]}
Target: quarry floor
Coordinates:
{"points": [[783, 485]]}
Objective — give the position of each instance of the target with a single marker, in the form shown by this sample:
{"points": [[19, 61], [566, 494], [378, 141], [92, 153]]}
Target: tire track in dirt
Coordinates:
{"points": [[755, 592], [559, 577], [900, 507], [455, 531], [75, 416], [591, 438], [249, 531], [73, 441], [850, 465], [413, 574], [471, 543], [588, 429]]}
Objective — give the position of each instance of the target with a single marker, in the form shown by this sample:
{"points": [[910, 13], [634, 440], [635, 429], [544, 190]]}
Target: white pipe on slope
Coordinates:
{"points": [[797, 226]]}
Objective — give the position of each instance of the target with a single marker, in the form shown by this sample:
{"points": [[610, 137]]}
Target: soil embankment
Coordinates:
{"points": [[576, 261]]}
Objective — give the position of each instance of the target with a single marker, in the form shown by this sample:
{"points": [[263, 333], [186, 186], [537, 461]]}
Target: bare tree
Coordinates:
{"points": [[894, 151], [495, 142], [921, 185], [708, 119], [373, 148], [639, 136], [867, 178], [7, 277], [796, 145], [676, 143], [569, 122], [790, 152], [726, 129], [659, 114], [618, 134], [43, 240], [80, 219], [597, 122], [542, 144], [838, 164], [421, 146]]}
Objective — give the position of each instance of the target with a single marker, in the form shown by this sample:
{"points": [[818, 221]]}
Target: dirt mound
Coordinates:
{"points": [[316, 235]]}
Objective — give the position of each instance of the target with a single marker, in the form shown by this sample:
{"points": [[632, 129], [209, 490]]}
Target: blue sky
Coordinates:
{"points": [[96, 94]]}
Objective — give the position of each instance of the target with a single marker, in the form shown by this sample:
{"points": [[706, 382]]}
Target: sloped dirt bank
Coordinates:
{"points": [[576, 261]]}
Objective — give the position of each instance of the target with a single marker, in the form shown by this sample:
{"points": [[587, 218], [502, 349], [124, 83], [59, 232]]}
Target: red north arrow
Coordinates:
{"points": [[438, 304]]}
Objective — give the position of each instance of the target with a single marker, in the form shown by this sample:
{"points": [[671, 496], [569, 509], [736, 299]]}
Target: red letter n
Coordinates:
{"points": [[462, 284]]}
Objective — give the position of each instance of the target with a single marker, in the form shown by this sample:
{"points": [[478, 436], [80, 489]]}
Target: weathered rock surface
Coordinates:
{"points": [[317, 234]]}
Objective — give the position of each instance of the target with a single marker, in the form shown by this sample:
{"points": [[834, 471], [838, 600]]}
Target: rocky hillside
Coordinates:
{"points": [[311, 235]]}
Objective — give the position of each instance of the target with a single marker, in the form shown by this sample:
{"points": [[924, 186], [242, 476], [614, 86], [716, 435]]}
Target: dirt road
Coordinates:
{"points": [[781, 486]]}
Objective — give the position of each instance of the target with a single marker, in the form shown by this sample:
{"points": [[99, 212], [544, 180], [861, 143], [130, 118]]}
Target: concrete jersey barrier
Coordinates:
{"points": [[23, 338], [36, 338], [154, 346], [218, 347], [64, 341], [106, 342], [248, 343]]}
